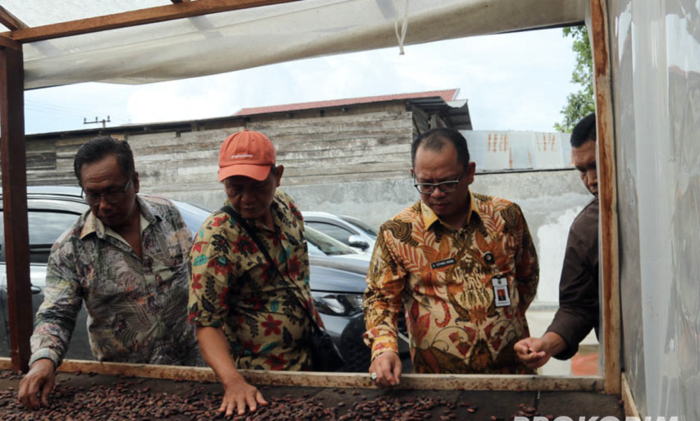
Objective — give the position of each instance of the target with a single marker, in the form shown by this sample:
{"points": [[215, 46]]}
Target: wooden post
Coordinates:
{"points": [[607, 194], [14, 196]]}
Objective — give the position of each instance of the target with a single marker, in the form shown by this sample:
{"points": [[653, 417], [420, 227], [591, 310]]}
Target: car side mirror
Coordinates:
{"points": [[357, 241]]}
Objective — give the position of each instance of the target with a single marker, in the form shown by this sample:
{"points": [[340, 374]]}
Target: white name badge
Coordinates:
{"points": [[500, 291]]}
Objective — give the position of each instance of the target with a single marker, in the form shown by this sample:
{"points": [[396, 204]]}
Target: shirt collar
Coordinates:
{"points": [[273, 207], [94, 225], [429, 217]]}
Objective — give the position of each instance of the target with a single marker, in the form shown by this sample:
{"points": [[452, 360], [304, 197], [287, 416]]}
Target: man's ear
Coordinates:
{"points": [[471, 170], [137, 184], [280, 171], [413, 174]]}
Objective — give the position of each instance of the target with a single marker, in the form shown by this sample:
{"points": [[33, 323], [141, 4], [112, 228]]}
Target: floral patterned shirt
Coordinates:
{"points": [[458, 320], [137, 307], [233, 287]]}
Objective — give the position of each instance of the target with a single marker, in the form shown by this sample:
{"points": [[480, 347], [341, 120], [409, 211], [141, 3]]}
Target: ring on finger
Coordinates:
{"points": [[373, 376]]}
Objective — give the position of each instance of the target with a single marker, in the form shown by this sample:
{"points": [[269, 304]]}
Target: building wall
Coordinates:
{"points": [[314, 147], [353, 162], [343, 162], [550, 201]]}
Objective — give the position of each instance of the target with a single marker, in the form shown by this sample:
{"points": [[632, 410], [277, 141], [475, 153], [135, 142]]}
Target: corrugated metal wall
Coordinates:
{"points": [[518, 150]]}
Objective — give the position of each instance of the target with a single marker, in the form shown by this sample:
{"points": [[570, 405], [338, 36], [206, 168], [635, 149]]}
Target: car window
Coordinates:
{"points": [[361, 225], [193, 216], [318, 241], [44, 229], [340, 234]]}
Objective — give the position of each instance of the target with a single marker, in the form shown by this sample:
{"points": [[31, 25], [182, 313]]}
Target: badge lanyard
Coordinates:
{"points": [[501, 296]]}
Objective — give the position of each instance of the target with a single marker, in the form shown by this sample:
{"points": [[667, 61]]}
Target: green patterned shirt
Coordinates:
{"points": [[136, 306]]}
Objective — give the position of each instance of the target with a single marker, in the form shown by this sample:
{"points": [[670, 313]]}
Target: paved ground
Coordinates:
{"points": [[582, 364]]}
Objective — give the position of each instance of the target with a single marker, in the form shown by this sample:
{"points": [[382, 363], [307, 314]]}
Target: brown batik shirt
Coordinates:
{"points": [[445, 279]]}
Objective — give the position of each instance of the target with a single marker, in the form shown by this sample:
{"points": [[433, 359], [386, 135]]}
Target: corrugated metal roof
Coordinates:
{"points": [[446, 95]]}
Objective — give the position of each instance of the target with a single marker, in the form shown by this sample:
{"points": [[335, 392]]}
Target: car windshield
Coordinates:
{"points": [[194, 216], [361, 225], [322, 245]]}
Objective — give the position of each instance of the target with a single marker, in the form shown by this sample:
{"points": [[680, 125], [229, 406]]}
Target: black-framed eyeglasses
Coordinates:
{"points": [[111, 198], [444, 186]]}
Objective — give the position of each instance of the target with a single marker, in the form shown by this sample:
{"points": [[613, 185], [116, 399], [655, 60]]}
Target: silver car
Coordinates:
{"points": [[346, 229], [337, 273], [51, 211]]}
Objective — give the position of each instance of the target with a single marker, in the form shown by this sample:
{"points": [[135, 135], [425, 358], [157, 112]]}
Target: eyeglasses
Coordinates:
{"points": [[111, 198], [444, 186]]}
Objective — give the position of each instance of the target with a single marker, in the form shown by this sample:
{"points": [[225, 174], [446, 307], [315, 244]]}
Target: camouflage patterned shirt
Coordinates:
{"points": [[137, 307], [465, 291]]}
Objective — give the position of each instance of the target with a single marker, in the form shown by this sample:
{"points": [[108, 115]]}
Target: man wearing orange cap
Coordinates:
{"points": [[249, 312]]}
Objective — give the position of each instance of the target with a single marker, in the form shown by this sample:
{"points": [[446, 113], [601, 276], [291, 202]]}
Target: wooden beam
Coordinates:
{"points": [[9, 43], [10, 21], [344, 380], [134, 18], [607, 194], [14, 197], [628, 400]]}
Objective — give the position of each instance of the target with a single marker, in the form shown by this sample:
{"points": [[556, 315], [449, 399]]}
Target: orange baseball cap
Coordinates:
{"points": [[246, 153]]}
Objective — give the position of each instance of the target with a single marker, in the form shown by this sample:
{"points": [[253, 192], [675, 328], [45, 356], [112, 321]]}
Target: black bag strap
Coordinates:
{"points": [[252, 232]]}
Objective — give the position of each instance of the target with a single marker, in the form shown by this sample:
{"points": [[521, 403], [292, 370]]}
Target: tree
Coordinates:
{"points": [[579, 104]]}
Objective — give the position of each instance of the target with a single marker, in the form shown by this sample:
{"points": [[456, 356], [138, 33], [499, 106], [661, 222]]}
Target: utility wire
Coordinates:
{"points": [[62, 110]]}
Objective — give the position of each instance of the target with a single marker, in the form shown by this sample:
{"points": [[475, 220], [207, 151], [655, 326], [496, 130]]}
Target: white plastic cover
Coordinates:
{"points": [[248, 38], [656, 75]]}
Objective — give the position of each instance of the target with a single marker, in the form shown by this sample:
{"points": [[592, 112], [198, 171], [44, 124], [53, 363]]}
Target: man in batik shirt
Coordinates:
{"points": [[126, 260], [462, 264], [247, 316]]}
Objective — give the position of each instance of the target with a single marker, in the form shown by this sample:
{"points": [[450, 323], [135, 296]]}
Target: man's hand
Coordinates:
{"points": [[240, 394], [387, 366], [535, 353], [40, 378]]}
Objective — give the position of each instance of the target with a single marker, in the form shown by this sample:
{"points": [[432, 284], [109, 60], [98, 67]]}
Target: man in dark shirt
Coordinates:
{"points": [[578, 290]]}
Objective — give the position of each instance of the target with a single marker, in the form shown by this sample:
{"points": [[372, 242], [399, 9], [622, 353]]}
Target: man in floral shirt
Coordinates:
{"points": [[126, 261], [247, 316], [462, 264]]}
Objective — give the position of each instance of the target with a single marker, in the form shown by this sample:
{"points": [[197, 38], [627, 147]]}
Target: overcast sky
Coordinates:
{"points": [[514, 81]]}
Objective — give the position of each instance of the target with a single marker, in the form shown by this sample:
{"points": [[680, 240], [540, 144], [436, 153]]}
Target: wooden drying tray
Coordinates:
{"points": [[338, 380]]}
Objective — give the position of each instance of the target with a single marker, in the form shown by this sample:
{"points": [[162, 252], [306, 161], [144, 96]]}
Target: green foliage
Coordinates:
{"points": [[579, 104]]}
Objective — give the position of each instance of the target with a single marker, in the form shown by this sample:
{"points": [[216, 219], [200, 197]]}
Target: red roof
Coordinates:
{"points": [[447, 95]]}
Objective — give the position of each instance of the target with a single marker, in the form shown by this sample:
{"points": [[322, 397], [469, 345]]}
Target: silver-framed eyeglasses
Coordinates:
{"points": [[111, 198], [444, 186]]}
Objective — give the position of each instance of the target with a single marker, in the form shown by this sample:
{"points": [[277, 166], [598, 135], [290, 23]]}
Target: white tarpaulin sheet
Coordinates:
{"points": [[229, 41]]}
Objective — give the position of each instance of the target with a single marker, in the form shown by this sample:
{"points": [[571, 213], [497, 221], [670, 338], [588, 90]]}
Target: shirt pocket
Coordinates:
{"points": [[168, 248]]}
